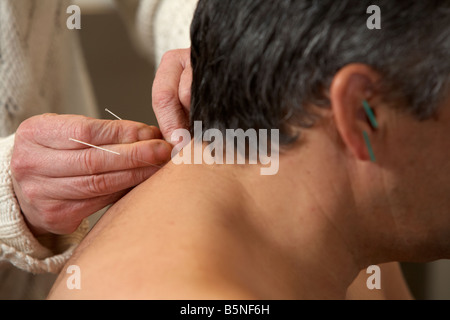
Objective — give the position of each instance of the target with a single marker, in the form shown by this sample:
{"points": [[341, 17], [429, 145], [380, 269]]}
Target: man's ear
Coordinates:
{"points": [[353, 85]]}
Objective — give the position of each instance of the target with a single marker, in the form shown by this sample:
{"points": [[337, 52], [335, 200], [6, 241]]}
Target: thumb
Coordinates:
{"points": [[184, 90], [171, 80]]}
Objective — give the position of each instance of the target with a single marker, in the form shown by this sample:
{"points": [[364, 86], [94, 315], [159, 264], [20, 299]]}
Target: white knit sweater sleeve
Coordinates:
{"points": [[18, 246]]}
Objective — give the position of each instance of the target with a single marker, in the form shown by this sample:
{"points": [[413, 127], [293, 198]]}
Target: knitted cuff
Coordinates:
{"points": [[18, 246]]}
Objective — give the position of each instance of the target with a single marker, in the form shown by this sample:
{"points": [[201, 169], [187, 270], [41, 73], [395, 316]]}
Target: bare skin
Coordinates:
{"points": [[207, 232], [149, 246], [171, 103]]}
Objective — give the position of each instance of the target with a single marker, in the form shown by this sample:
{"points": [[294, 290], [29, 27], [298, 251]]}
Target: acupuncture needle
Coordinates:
{"points": [[113, 114], [113, 152], [110, 151]]}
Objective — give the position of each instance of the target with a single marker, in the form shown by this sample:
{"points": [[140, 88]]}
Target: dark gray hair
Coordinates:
{"points": [[260, 63]]}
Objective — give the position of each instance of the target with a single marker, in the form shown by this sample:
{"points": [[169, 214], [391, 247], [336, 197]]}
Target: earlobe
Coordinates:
{"points": [[351, 90]]}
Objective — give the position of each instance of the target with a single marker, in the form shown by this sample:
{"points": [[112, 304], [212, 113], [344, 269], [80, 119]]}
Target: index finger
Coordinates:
{"points": [[54, 131]]}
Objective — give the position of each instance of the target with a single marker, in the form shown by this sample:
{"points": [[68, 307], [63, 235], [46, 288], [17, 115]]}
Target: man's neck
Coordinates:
{"points": [[296, 233]]}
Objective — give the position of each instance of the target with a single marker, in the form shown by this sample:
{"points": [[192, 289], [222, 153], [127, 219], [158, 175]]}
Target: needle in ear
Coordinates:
{"points": [[370, 114], [374, 123]]}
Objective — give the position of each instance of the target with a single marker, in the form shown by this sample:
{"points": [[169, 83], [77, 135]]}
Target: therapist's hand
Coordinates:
{"points": [[58, 182], [172, 92]]}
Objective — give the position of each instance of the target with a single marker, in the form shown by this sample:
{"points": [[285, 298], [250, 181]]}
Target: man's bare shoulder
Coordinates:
{"points": [[150, 245]]}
